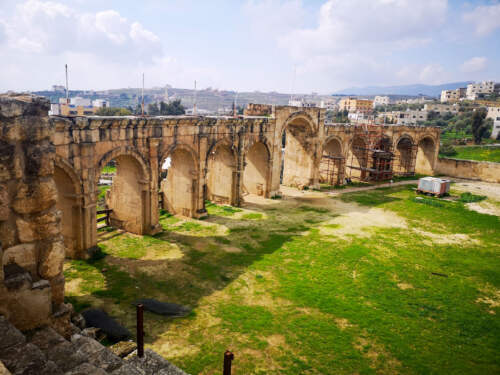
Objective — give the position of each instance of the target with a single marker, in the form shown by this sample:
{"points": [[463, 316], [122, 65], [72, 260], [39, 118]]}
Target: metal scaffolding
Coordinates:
{"points": [[371, 154], [332, 169]]}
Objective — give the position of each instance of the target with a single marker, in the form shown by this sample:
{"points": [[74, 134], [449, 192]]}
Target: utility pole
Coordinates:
{"points": [[194, 102], [293, 82], [67, 90], [142, 105]]}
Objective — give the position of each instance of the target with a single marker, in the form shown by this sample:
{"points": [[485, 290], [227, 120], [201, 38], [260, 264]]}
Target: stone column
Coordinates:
{"points": [[32, 286], [152, 222]]}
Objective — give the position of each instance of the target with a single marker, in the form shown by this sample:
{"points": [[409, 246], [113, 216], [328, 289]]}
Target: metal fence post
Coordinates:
{"points": [[140, 330], [228, 357]]}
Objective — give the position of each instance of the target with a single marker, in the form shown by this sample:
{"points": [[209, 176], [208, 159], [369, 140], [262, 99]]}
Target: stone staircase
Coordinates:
{"points": [[45, 352]]}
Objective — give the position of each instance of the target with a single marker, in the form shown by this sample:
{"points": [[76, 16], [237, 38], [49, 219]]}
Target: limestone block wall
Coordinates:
{"points": [[476, 170], [31, 245]]}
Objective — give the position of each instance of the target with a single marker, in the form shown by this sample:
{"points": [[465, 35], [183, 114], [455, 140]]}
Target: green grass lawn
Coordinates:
{"points": [[372, 282], [480, 153]]}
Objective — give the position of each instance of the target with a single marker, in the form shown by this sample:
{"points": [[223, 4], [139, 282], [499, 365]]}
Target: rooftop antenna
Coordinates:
{"points": [[67, 91], [194, 102], [142, 104], [234, 104], [293, 82]]}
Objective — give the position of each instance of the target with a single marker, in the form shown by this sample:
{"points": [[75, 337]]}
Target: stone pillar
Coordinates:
{"points": [[153, 221], [32, 248]]}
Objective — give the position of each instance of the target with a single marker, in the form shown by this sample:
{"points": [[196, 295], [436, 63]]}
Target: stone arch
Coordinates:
{"points": [[221, 175], [426, 154], [130, 195], [69, 203], [404, 155], [180, 185], [257, 166], [332, 166], [297, 158], [357, 158]]}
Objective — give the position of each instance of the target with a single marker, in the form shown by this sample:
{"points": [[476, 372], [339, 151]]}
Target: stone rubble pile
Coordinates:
{"points": [[45, 352]]}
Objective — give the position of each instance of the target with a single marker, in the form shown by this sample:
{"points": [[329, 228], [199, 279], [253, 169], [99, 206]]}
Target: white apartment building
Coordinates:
{"points": [[80, 101], [474, 90], [494, 113], [453, 95], [360, 118], [329, 105], [380, 100], [441, 108], [409, 117], [100, 103]]}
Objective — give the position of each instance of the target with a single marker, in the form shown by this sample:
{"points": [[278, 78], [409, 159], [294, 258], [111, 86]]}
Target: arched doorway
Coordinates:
{"points": [[426, 154], [404, 160], [179, 181], [332, 163], [128, 195], [256, 170], [297, 153], [357, 159], [70, 206], [221, 170]]}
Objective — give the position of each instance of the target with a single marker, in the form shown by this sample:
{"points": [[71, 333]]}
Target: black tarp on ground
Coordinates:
{"points": [[99, 319], [163, 308]]}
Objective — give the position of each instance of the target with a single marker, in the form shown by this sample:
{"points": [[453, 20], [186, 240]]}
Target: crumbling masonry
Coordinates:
{"points": [[50, 168]]}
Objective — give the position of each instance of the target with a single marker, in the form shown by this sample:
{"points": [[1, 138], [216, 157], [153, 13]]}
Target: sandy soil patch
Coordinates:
{"points": [[491, 298], [355, 219], [444, 239], [491, 190], [405, 286], [377, 355], [485, 207]]}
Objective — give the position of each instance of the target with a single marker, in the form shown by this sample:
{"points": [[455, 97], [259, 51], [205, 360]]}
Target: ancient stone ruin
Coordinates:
{"points": [[50, 168]]}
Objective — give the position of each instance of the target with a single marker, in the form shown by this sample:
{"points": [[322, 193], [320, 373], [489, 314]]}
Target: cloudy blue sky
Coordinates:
{"points": [[248, 44]]}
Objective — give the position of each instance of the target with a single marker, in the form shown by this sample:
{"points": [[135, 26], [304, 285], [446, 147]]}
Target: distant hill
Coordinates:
{"points": [[413, 90]]}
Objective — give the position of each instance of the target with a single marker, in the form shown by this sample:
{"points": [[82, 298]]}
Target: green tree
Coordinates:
{"points": [[173, 108], [153, 109], [479, 126], [113, 111]]}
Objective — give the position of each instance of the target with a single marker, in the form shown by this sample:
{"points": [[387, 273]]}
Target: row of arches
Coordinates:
{"points": [[360, 158], [129, 195]]}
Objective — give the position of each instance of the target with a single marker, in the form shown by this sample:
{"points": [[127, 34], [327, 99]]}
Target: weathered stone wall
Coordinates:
{"points": [[476, 170], [31, 245], [258, 110]]}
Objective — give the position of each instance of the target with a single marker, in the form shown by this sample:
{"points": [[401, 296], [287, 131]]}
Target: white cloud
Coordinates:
{"points": [[352, 42], [485, 19], [473, 65], [45, 27], [376, 24]]}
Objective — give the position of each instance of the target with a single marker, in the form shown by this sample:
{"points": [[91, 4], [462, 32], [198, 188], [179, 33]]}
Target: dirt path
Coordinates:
{"points": [[354, 189]]}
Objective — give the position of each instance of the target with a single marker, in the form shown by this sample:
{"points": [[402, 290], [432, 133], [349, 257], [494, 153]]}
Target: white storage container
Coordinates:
{"points": [[433, 185]]}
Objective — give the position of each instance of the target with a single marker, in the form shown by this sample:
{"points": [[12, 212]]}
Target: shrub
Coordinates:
{"points": [[447, 150], [470, 198]]}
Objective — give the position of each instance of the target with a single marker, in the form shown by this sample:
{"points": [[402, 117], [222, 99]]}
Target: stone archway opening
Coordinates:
{"points": [[297, 154], [70, 207], [426, 152], [357, 159], [178, 183], [221, 170], [332, 164], [404, 161], [121, 193], [255, 176]]}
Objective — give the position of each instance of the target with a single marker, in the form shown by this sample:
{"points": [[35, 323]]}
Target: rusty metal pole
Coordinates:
{"points": [[228, 357], [140, 330]]}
